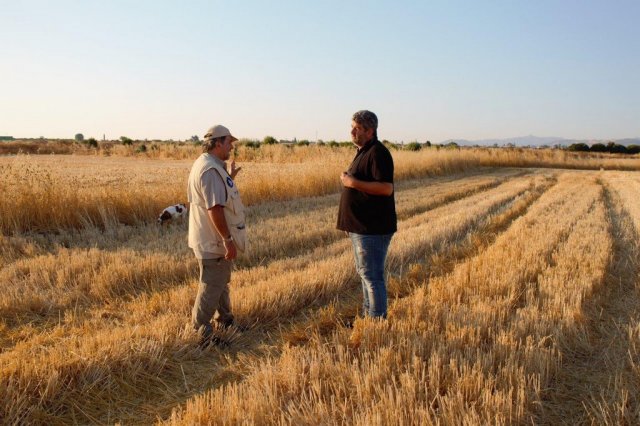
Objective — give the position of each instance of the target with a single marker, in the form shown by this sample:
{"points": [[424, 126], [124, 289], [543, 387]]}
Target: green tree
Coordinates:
{"points": [[413, 146], [79, 137], [633, 149], [580, 147], [269, 140], [126, 141], [614, 148]]}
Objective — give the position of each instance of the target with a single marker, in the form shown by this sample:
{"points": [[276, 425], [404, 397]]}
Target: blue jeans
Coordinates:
{"points": [[370, 254]]}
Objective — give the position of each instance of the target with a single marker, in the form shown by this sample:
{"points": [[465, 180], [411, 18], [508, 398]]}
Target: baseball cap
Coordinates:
{"points": [[218, 131]]}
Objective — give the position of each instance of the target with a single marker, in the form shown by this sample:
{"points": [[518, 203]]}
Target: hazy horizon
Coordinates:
{"points": [[431, 71], [539, 140]]}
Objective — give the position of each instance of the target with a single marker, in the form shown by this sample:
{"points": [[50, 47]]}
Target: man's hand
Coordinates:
{"points": [[372, 188], [347, 180], [233, 170], [232, 252]]}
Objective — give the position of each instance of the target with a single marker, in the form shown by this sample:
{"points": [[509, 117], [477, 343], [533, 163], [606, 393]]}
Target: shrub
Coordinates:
{"points": [[269, 140], [580, 147], [126, 141], [142, 148], [614, 148], [633, 149], [413, 146], [303, 142], [92, 143]]}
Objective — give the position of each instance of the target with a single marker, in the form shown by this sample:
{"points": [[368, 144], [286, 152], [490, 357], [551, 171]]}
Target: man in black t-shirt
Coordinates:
{"points": [[367, 210]]}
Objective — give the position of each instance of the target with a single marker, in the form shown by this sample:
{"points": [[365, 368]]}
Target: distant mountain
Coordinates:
{"points": [[531, 140]]}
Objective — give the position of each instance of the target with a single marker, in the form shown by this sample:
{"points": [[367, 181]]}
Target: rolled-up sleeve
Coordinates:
{"points": [[213, 189]]}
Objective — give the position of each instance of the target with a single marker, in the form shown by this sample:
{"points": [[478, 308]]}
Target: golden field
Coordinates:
{"points": [[514, 290]]}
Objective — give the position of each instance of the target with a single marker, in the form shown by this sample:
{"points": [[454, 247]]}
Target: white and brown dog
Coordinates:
{"points": [[172, 212]]}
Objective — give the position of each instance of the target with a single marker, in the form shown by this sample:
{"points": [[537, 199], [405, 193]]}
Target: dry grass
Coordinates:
{"points": [[320, 275], [523, 157], [504, 283], [499, 157], [614, 318], [44, 194], [463, 349], [47, 193]]}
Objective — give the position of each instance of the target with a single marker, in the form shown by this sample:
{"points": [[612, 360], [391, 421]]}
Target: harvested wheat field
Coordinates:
{"points": [[514, 297]]}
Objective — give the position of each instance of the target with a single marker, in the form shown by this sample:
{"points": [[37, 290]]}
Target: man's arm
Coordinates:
{"points": [[216, 215], [233, 170], [372, 188]]}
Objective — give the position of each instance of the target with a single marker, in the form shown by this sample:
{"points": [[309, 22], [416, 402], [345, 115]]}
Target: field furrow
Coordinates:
{"points": [[627, 186], [513, 298], [40, 289], [598, 380], [284, 294], [445, 355]]}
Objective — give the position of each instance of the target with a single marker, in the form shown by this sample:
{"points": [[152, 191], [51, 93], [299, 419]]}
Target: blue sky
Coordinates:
{"points": [[431, 70]]}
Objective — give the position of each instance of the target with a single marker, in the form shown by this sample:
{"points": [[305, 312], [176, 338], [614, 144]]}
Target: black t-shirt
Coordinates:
{"points": [[363, 213]]}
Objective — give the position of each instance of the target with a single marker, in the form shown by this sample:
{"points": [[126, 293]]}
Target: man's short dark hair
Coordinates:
{"points": [[366, 119], [209, 143]]}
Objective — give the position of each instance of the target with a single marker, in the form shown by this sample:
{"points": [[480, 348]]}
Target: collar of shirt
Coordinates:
{"points": [[361, 150], [217, 160], [367, 145]]}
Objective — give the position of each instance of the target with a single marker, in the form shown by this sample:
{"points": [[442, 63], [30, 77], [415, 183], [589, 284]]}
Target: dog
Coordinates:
{"points": [[172, 212]]}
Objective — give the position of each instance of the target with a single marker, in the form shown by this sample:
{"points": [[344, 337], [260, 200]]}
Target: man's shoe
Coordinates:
{"points": [[208, 338], [228, 324], [205, 342]]}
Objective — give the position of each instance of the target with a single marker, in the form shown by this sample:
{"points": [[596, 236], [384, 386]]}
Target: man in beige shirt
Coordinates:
{"points": [[216, 230]]}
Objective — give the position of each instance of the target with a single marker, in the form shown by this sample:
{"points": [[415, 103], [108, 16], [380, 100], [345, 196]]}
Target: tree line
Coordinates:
{"points": [[610, 147]]}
